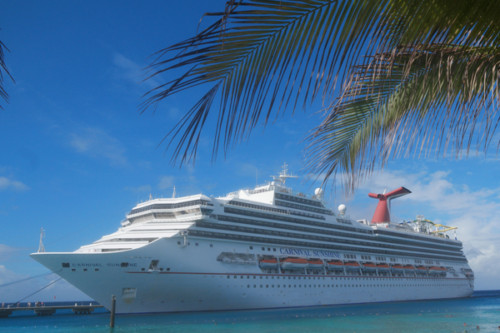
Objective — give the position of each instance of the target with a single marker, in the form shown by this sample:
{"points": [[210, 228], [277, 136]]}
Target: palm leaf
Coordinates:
{"points": [[402, 63], [263, 55], [421, 100], [3, 71]]}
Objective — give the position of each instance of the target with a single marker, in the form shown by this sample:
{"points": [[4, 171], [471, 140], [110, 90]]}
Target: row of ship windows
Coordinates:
{"points": [[269, 216], [165, 215], [323, 277], [348, 285], [259, 207], [295, 220], [274, 210], [364, 257], [245, 238], [346, 255], [299, 200], [161, 269], [316, 238], [149, 240], [302, 207], [423, 242], [321, 231], [297, 224], [420, 238], [170, 206]]}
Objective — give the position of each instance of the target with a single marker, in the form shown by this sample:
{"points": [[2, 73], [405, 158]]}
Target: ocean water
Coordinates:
{"points": [[480, 313]]}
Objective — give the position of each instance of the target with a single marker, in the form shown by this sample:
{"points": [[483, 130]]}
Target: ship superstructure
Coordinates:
{"points": [[264, 247]]}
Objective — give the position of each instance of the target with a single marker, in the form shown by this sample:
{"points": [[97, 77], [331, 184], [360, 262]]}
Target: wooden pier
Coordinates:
{"points": [[47, 310]]}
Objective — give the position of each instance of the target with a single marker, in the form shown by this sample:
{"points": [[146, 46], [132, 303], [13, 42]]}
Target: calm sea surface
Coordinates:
{"points": [[480, 313]]}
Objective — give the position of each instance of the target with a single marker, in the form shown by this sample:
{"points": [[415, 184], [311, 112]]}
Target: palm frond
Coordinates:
{"points": [[408, 69], [264, 55], [3, 72], [418, 100]]}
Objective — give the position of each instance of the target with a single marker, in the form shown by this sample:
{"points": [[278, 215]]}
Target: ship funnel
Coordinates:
{"points": [[382, 211]]}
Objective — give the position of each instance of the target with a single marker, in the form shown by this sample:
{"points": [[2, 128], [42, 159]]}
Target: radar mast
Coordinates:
{"points": [[284, 175]]}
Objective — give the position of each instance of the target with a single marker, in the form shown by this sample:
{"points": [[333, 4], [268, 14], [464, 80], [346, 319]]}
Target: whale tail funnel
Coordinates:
{"points": [[382, 214]]}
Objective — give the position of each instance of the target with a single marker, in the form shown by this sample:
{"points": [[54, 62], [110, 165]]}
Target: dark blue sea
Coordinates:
{"points": [[480, 313]]}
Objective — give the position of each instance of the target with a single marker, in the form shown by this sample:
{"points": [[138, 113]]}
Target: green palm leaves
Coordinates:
{"points": [[416, 100], [413, 75]]}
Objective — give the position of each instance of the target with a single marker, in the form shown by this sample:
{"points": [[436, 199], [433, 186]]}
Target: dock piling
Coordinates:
{"points": [[113, 309]]}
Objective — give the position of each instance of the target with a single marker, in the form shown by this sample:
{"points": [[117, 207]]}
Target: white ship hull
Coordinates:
{"points": [[190, 278]]}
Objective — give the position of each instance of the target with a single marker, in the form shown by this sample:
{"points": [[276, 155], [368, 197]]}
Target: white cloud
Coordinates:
{"points": [[11, 184], [7, 275], [133, 72], [139, 189], [96, 143], [7, 251], [166, 182]]}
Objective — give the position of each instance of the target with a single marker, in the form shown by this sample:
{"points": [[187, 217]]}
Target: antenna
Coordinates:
{"points": [[41, 248], [284, 175], [173, 193]]}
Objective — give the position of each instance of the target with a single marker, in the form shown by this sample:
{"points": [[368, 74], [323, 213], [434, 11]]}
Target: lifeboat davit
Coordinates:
{"points": [[269, 263], [294, 263]]}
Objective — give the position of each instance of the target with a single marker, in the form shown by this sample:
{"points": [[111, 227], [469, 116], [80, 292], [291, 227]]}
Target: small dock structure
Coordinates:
{"points": [[47, 310]]}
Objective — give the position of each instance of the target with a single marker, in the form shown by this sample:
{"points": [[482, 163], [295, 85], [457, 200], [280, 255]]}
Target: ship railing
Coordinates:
{"points": [[396, 226]]}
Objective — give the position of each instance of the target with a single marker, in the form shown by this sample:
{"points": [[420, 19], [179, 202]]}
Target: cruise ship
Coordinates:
{"points": [[266, 247]]}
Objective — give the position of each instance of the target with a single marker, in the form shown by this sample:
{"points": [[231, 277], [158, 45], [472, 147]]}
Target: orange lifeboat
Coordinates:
{"points": [[352, 265], [397, 267], [294, 263], [335, 265], [383, 267], [409, 267], [369, 266], [315, 263], [437, 270], [268, 263]]}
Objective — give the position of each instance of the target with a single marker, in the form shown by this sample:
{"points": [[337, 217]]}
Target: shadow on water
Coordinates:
{"points": [[459, 315]]}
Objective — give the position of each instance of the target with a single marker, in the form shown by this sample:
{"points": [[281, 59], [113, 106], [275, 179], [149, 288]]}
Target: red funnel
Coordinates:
{"points": [[382, 211]]}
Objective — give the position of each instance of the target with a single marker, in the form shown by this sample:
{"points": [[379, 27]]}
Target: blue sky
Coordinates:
{"points": [[77, 154]]}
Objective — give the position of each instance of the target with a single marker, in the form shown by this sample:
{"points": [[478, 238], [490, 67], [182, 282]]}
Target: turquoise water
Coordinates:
{"points": [[480, 313]]}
